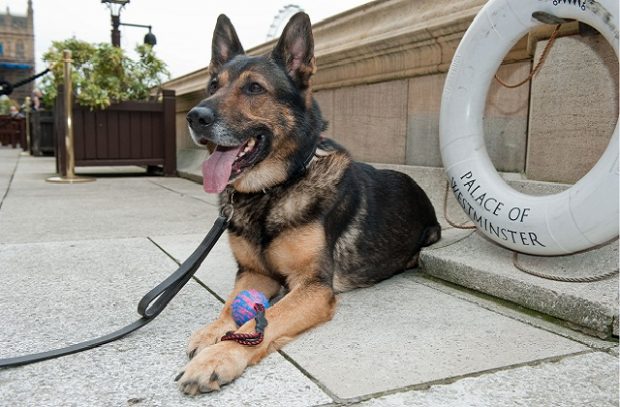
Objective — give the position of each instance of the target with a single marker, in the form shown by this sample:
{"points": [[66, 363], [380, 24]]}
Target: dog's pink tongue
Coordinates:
{"points": [[217, 168]]}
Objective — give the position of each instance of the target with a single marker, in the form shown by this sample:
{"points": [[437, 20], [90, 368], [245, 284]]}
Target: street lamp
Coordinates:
{"points": [[115, 7], [149, 38]]}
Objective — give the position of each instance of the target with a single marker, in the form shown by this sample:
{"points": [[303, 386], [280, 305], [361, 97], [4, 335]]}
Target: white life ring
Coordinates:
{"points": [[578, 218]]}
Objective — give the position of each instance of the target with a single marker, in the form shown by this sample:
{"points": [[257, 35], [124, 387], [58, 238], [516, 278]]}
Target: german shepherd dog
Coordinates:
{"points": [[307, 218]]}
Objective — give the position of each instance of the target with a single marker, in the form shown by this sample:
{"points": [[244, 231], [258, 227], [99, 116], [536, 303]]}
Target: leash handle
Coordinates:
{"points": [[149, 307]]}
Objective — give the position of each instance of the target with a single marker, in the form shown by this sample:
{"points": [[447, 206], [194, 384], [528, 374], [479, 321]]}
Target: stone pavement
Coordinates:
{"points": [[75, 260]]}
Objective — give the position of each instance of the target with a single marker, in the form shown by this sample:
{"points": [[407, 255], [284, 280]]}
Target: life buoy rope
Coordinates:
{"points": [[540, 63]]}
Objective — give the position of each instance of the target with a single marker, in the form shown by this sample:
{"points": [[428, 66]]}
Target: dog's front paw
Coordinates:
{"points": [[216, 366], [208, 335]]}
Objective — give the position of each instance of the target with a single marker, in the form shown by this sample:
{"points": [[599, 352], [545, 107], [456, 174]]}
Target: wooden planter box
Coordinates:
{"points": [[127, 133], [42, 141], [13, 132]]}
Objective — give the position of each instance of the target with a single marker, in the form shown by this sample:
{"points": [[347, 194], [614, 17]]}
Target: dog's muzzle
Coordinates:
{"points": [[200, 119]]}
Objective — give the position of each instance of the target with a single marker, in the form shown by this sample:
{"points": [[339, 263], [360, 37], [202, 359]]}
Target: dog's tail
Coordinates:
{"points": [[430, 235]]}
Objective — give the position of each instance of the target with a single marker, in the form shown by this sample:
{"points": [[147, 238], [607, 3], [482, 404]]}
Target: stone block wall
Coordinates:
{"points": [[569, 110], [573, 108], [370, 120], [397, 122], [381, 70]]}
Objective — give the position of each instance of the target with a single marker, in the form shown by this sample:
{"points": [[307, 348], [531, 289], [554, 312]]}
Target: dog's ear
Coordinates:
{"points": [[295, 50], [226, 44]]}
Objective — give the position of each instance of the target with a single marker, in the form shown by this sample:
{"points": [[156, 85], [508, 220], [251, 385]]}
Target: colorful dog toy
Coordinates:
{"points": [[249, 304], [243, 305]]}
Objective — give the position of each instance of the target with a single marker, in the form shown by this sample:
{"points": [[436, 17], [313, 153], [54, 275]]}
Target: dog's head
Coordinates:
{"points": [[259, 119]]}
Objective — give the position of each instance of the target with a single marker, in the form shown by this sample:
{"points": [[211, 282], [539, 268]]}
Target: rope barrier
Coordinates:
{"points": [[587, 279], [6, 87], [445, 212]]}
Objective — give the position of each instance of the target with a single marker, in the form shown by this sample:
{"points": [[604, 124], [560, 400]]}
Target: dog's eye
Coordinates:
{"points": [[212, 87], [255, 88]]}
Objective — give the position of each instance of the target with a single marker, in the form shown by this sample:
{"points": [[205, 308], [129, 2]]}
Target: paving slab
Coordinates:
{"points": [[185, 188], [219, 268], [8, 158], [397, 334], [110, 207], [401, 333], [476, 263], [57, 293], [583, 380]]}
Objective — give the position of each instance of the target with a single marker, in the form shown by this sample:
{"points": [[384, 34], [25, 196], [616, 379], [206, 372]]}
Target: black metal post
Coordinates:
{"points": [[116, 33]]}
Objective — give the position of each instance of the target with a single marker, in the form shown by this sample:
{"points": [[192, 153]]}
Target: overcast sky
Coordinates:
{"points": [[183, 27]]}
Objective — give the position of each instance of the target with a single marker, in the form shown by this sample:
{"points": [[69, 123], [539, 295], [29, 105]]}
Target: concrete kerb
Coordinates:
{"points": [[480, 265]]}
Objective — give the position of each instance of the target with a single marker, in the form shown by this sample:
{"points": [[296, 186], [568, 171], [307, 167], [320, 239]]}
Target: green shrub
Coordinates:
{"points": [[103, 74], [5, 105]]}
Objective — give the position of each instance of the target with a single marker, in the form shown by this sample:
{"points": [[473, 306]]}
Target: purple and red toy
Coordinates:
{"points": [[243, 307]]}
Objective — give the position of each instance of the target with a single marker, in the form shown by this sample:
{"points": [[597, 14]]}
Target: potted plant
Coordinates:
{"points": [[121, 116]]}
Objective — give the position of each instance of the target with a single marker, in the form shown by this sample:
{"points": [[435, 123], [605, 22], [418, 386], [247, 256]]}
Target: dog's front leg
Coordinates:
{"points": [[306, 305], [210, 334]]}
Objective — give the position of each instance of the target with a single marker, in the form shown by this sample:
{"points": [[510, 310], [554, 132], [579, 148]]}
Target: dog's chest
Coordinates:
{"points": [[272, 233], [262, 217]]}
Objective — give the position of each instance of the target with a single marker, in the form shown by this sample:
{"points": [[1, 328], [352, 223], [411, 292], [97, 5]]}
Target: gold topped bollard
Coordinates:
{"points": [[27, 115], [70, 178]]}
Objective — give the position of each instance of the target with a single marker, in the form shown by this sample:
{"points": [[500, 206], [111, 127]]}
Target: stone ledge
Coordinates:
{"points": [[189, 163], [386, 40], [379, 41], [477, 264]]}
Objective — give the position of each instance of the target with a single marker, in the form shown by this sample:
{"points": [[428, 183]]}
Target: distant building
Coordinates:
{"points": [[17, 50]]}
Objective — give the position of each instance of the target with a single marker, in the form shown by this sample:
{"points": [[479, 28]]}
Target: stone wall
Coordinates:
{"points": [[381, 70], [573, 108]]}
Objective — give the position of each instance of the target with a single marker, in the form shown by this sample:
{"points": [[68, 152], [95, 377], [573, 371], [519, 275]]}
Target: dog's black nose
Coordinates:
{"points": [[200, 117]]}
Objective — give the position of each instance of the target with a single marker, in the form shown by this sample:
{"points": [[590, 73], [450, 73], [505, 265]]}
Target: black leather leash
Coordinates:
{"points": [[149, 307]]}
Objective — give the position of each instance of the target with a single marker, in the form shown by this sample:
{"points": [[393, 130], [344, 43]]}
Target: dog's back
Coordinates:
{"points": [[378, 223]]}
